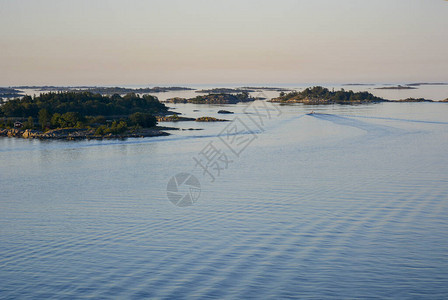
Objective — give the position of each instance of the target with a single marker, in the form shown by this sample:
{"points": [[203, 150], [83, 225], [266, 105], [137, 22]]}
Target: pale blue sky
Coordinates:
{"points": [[92, 42]]}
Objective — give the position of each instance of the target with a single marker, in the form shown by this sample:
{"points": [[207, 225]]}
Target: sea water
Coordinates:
{"points": [[347, 202]]}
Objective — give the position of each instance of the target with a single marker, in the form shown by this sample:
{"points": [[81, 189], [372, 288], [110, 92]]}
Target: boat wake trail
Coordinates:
{"points": [[371, 129], [282, 123]]}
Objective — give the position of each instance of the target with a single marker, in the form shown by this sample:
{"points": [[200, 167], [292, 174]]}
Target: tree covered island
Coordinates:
{"points": [[222, 98], [77, 115], [321, 95]]}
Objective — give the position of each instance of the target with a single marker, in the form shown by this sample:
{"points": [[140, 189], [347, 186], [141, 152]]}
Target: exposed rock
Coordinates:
{"points": [[29, 133], [210, 119], [78, 134], [3, 132], [222, 111], [15, 133], [173, 118], [64, 133]]}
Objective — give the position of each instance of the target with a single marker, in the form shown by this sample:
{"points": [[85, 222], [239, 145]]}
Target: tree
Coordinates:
{"points": [[143, 119], [84, 103], [55, 120], [29, 123], [70, 119], [44, 117]]}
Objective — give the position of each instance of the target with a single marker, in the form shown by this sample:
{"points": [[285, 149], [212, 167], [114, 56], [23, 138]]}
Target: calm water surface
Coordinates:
{"points": [[351, 202]]}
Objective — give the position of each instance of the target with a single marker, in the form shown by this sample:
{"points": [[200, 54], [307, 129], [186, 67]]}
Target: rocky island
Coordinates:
{"points": [[80, 134], [210, 119], [413, 100], [81, 115], [225, 112], [320, 95], [222, 98]]}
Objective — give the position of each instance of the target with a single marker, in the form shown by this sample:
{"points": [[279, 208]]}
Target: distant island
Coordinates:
{"points": [[80, 115], [104, 90], [321, 95], [215, 99], [358, 84], [121, 91], [412, 100], [223, 111], [274, 89], [176, 118], [427, 83], [241, 90], [9, 93], [398, 87], [225, 91]]}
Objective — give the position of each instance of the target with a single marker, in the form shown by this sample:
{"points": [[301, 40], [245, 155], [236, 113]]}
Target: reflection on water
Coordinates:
{"points": [[350, 202]]}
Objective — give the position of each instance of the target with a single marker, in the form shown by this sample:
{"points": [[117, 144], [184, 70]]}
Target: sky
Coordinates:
{"points": [[173, 42]]}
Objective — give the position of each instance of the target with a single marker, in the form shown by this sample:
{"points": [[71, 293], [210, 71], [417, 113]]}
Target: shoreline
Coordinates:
{"points": [[72, 134]]}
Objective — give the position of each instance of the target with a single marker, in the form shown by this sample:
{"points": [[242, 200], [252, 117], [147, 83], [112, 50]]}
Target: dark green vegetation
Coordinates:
{"points": [[83, 110], [321, 95], [215, 99]]}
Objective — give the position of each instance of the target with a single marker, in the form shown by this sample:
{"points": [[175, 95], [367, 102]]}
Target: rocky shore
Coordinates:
{"points": [[210, 119], [176, 118], [173, 118], [77, 134]]}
